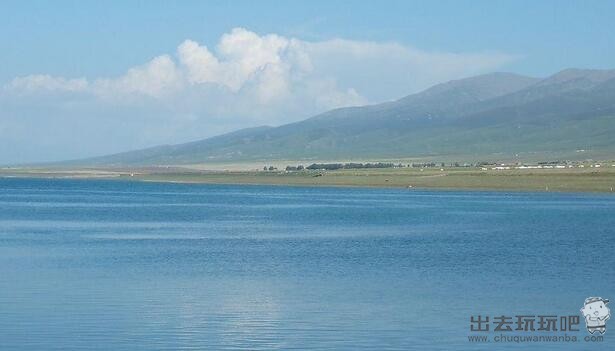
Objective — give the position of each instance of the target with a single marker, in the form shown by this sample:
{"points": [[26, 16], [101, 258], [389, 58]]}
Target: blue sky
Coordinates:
{"points": [[143, 73]]}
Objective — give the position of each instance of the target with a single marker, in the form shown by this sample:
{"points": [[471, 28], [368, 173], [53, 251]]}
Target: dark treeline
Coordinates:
{"points": [[441, 164], [353, 165], [333, 166], [423, 165]]}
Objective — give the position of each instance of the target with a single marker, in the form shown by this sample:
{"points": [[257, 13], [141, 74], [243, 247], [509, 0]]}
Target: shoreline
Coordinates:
{"points": [[544, 181]]}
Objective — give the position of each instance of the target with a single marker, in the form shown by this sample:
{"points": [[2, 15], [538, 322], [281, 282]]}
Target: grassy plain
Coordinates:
{"points": [[569, 179]]}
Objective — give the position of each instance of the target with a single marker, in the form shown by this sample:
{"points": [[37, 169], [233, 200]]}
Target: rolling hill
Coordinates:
{"points": [[570, 114]]}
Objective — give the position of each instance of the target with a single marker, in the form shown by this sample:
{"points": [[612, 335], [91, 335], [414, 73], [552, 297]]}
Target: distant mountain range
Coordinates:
{"points": [[570, 114]]}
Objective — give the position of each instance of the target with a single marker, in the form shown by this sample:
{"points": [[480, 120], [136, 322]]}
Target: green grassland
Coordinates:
{"points": [[567, 180], [602, 180]]}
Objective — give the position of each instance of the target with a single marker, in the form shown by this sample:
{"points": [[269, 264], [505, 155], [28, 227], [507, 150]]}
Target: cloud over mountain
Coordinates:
{"points": [[246, 79]]}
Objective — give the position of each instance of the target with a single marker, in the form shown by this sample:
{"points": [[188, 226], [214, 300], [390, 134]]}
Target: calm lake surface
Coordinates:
{"points": [[97, 265]]}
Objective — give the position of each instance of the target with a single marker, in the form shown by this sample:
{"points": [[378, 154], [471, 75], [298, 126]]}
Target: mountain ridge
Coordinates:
{"points": [[495, 113]]}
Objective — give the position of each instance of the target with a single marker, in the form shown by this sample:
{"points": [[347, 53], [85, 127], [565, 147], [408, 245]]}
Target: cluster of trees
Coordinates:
{"points": [[552, 162], [486, 163], [424, 165], [334, 166], [352, 165], [441, 164]]}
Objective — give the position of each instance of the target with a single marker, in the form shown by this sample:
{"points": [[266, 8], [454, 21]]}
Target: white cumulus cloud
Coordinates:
{"points": [[157, 78], [269, 72], [245, 79]]}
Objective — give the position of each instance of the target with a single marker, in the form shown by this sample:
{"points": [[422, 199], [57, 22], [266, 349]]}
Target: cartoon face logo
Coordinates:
{"points": [[596, 314]]}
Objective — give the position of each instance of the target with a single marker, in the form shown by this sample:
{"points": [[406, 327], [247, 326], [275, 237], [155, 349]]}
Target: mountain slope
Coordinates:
{"points": [[499, 113]]}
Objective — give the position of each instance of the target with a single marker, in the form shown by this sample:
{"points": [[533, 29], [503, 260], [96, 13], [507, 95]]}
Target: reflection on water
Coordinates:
{"points": [[118, 265]]}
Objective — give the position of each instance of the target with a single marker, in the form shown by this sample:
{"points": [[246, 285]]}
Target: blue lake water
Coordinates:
{"points": [[98, 265]]}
